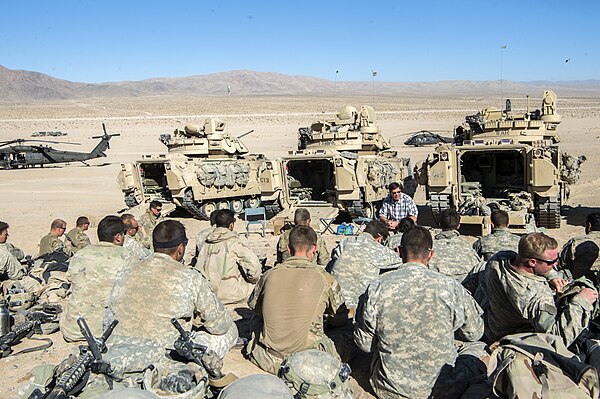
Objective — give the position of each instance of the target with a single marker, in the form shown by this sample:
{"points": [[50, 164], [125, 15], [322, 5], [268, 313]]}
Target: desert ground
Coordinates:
{"points": [[34, 197]]}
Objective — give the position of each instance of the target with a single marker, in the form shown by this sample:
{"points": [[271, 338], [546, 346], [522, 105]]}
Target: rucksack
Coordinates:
{"points": [[530, 365]]}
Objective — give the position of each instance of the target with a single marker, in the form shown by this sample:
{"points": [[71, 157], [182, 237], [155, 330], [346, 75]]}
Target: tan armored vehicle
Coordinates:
{"points": [[345, 163], [205, 169], [506, 160]]}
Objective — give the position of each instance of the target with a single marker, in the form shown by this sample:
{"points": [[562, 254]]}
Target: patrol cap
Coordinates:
{"points": [[258, 386]]}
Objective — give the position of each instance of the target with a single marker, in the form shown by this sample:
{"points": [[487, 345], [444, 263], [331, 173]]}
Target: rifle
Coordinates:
{"points": [[89, 360], [25, 330], [195, 352]]}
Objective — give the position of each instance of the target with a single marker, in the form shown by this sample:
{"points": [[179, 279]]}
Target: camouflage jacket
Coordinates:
{"points": [[9, 263], [201, 238], [92, 272], [136, 248], [409, 319], [157, 289], [50, 243], [148, 221], [501, 239], [16, 252], [230, 265], [76, 239], [524, 302], [580, 256], [356, 261], [453, 256], [283, 253], [291, 299]]}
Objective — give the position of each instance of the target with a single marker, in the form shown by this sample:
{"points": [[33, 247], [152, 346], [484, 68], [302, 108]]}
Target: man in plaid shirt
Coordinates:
{"points": [[397, 206]]}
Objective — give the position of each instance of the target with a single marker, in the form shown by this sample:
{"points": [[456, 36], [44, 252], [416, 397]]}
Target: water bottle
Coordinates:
{"points": [[4, 318]]}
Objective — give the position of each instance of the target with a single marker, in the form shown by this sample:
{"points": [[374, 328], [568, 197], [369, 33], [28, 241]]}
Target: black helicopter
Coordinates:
{"points": [[15, 154], [426, 137]]}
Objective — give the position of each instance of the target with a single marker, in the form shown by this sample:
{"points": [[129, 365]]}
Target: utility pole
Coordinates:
{"points": [[373, 75], [501, 81], [334, 89]]}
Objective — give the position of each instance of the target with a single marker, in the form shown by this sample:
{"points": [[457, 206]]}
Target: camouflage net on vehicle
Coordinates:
{"points": [[223, 174]]}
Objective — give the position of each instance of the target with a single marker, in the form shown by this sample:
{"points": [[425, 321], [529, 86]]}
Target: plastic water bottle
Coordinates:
{"points": [[4, 318]]}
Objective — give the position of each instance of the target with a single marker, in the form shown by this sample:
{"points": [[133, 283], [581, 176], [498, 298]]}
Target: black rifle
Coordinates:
{"points": [[89, 360], [19, 331], [193, 351]]}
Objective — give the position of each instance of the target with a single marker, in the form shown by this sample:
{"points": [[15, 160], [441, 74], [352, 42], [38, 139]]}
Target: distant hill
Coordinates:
{"points": [[24, 86]]}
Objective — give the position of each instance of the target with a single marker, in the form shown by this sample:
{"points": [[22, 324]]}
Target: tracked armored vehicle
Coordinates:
{"points": [[500, 159], [345, 163], [204, 169]]}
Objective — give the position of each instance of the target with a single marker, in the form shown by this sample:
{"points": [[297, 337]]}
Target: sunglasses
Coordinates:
{"points": [[548, 262]]}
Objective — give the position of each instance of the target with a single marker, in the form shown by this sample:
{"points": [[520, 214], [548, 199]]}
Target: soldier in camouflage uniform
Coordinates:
{"points": [[52, 242], [302, 218], [501, 238], [393, 240], [230, 265], [148, 221], [410, 318], [10, 257], [155, 290], [520, 298], [131, 228], [202, 235], [76, 239], [358, 260], [453, 256], [92, 272], [290, 300], [580, 254]]}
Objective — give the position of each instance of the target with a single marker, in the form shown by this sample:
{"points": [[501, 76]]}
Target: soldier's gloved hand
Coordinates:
{"points": [[589, 295], [558, 284]]}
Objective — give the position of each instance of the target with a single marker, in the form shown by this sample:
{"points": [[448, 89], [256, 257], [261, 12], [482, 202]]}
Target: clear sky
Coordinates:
{"points": [[105, 40]]}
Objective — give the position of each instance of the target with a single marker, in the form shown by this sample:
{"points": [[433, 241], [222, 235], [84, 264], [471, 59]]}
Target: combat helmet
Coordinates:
{"points": [[176, 381], [258, 386], [316, 374]]}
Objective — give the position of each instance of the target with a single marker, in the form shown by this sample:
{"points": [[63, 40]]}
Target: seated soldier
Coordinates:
{"points": [[92, 272], [202, 235], [76, 238], [302, 218], [229, 264], [291, 300], [131, 229], [157, 289], [148, 221], [393, 240], [409, 318], [51, 242], [580, 254], [453, 256], [519, 297], [501, 238], [10, 257], [358, 260]]}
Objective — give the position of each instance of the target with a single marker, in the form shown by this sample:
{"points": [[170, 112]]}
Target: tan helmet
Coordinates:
{"points": [[171, 381], [258, 386]]}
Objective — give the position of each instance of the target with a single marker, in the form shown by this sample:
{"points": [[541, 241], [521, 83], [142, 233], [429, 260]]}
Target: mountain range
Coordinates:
{"points": [[26, 86]]}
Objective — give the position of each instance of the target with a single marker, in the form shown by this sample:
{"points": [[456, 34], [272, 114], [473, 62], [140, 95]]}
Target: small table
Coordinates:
{"points": [[360, 223]]}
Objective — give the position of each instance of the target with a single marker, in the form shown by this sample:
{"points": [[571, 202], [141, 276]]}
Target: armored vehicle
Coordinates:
{"points": [[500, 159], [345, 163], [204, 169]]}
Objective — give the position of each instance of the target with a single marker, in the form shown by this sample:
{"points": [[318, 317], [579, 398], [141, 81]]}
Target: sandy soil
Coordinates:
{"points": [[34, 197]]}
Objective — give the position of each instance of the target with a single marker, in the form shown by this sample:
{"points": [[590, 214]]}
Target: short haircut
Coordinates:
{"points": [[167, 236], [302, 238], [57, 224], [3, 227], [533, 245], [81, 220], [393, 186], [109, 227], [449, 219], [128, 219], [377, 228], [301, 216], [416, 242], [593, 219], [213, 218], [499, 218], [224, 217], [405, 224], [155, 204]]}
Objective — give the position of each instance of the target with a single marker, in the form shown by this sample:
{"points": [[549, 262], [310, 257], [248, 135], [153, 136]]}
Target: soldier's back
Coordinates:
{"points": [[453, 256]]}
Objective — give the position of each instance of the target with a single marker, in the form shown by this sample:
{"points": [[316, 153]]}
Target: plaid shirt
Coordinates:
{"points": [[398, 210]]}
